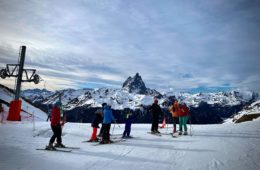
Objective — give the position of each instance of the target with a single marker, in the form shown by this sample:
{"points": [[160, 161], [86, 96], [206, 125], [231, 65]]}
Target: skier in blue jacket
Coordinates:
{"points": [[107, 120]]}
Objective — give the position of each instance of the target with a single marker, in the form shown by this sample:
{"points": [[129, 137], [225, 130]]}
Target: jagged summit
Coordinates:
{"points": [[135, 84]]}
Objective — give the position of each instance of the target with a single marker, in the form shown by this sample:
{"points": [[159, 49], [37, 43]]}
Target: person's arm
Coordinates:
{"points": [[112, 116]]}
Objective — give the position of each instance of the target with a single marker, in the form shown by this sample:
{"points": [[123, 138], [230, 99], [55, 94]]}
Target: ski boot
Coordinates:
{"points": [[50, 147], [103, 142], [96, 140], [180, 132], [129, 137], [59, 145], [185, 133]]}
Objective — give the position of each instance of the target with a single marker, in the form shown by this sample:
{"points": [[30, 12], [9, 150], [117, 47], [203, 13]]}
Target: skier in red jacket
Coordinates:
{"points": [[56, 127]]}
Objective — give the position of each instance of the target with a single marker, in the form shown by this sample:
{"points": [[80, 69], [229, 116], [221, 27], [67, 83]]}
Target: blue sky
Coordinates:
{"points": [[172, 44]]}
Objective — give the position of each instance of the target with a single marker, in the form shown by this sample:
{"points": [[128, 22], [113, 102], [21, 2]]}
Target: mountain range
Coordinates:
{"points": [[80, 104]]}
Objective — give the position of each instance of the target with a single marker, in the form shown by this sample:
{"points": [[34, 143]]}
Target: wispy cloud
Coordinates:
{"points": [[172, 44]]}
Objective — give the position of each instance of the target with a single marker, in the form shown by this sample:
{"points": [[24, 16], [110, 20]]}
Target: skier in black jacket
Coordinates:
{"points": [[156, 111], [97, 119], [102, 127]]}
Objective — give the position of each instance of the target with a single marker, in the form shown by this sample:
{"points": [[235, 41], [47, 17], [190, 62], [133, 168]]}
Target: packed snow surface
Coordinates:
{"points": [[221, 146]]}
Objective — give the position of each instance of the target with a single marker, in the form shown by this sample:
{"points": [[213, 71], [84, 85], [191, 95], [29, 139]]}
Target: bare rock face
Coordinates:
{"points": [[135, 85]]}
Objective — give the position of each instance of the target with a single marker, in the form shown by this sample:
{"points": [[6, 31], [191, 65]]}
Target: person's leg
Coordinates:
{"points": [[185, 119], [153, 125], [174, 120], [59, 132], [104, 133], [180, 124], [101, 131], [94, 134], [156, 125], [125, 130], [54, 136], [128, 129], [108, 131]]}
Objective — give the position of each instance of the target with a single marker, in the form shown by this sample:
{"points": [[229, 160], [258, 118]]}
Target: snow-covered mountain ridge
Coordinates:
{"points": [[204, 107], [122, 98], [248, 113]]}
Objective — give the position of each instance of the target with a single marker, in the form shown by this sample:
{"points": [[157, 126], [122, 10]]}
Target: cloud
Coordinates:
{"points": [[172, 44]]}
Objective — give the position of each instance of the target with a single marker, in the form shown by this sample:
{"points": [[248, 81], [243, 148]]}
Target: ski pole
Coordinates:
{"points": [[190, 124], [117, 124], [113, 129], [167, 124]]}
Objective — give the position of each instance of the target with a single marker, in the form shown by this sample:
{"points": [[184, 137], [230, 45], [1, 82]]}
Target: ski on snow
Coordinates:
{"points": [[156, 134], [54, 150], [175, 135], [114, 141], [68, 147]]}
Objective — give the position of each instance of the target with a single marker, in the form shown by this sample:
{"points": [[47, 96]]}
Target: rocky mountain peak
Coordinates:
{"points": [[135, 84]]}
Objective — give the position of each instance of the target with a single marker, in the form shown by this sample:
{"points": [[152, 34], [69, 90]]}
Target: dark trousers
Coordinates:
{"points": [[174, 121], [155, 123], [106, 130], [56, 134], [101, 131], [127, 129]]}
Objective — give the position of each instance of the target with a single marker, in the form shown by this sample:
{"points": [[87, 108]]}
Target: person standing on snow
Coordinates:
{"points": [[174, 111], [97, 119], [183, 118], [156, 111], [102, 128], [107, 120], [129, 118], [56, 127]]}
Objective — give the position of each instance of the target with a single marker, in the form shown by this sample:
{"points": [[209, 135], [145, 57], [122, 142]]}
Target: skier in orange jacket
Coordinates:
{"points": [[174, 111]]}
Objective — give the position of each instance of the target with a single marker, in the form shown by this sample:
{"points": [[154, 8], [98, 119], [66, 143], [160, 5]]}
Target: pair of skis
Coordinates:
{"points": [[59, 149], [174, 135], [117, 140], [156, 134]]}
